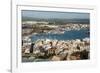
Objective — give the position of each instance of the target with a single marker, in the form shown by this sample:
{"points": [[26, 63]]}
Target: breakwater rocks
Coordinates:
{"points": [[54, 50]]}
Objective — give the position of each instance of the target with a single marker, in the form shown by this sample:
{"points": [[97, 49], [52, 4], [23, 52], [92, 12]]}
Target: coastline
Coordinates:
{"points": [[33, 28], [46, 49]]}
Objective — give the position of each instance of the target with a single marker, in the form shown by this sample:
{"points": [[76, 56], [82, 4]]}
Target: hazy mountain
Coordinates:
{"points": [[57, 20]]}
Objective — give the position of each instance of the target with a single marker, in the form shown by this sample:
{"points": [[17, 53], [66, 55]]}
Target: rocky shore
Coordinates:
{"points": [[32, 28], [54, 50]]}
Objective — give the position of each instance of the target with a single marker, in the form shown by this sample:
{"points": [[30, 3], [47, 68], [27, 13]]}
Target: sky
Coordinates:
{"points": [[53, 14]]}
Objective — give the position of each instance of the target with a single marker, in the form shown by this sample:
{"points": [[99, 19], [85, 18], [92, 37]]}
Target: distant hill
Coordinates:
{"points": [[59, 21]]}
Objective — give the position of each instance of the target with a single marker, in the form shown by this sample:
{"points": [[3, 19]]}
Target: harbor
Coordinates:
{"points": [[55, 43], [55, 36]]}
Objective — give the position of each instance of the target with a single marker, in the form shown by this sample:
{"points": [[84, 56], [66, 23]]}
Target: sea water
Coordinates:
{"points": [[67, 35]]}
